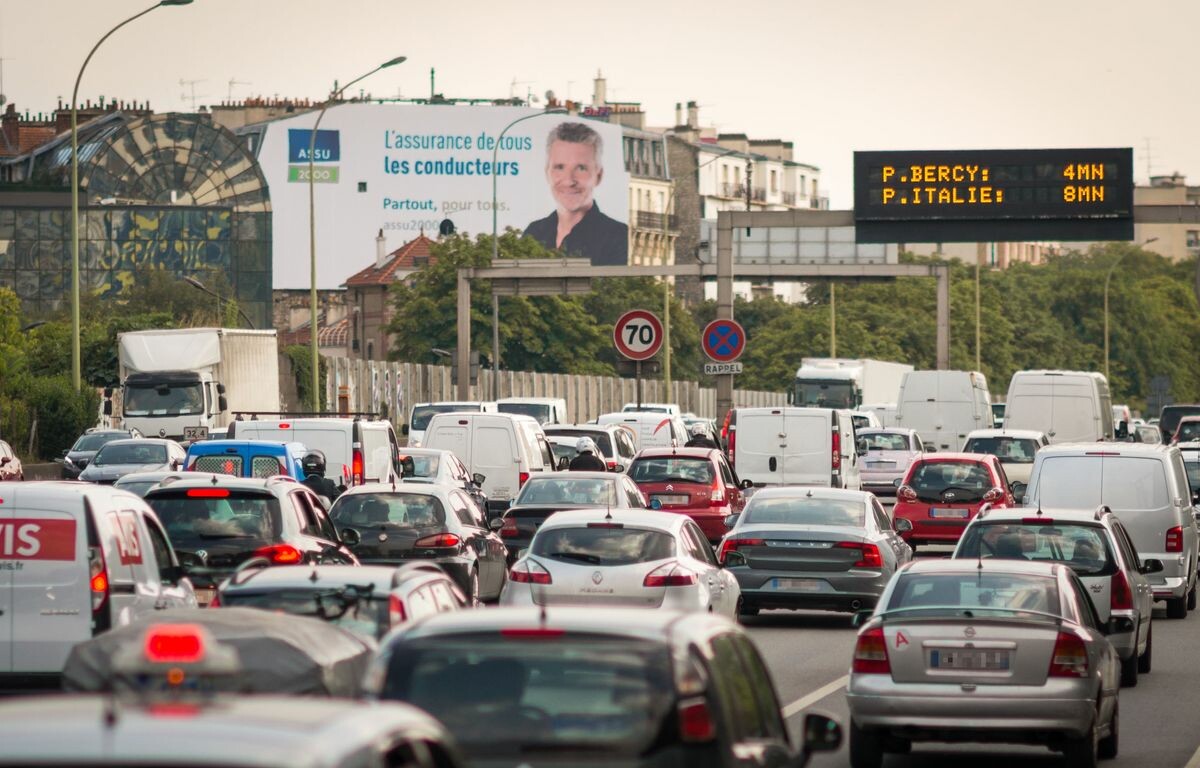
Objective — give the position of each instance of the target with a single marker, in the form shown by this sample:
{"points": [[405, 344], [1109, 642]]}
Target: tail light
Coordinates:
{"points": [[870, 654], [732, 442], [906, 493], [280, 554], [438, 540], [396, 612], [696, 721], [522, 478], [836, 458], [1070, 656], [732, 545], [1175, 539], [174, 644], [993, 495], [669, 575], [1120, 596], [509, 530], [529, 572], [216, 600], [870, 553], [612, 466], [356, 467], [717, 497], [98, 576]]}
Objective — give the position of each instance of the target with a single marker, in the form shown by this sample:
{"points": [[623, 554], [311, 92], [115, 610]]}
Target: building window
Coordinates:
{"points": [[370, 350], [774, 182], [803, 183], [724, 174], [661, 208], [1193, 238]]}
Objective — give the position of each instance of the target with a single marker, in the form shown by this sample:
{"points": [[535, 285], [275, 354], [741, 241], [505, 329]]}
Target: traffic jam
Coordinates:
{"points": [[490, 584]]}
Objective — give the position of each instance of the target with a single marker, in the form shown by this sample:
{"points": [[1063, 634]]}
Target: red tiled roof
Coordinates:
{"points": [[29, 138], [336, 335], [405, 257]]}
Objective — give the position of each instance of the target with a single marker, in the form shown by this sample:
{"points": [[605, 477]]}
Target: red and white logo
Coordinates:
{"points": [[37, 539], [129, 544]]}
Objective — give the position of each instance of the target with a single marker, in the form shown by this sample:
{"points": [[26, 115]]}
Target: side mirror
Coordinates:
{"points": [[1122, 431], [404, 429], [902, 525], [1152, 565], [1018, 489], [407, 467], [65, 452], [478, 479], [746, 484], [4, 460], [821, 734], [860, 618], [930, 447], [351, 537], [222, 403], [731, 520], [108, 408], [1195, 496], [618, 468], [563, 463], [172, 574], [220, 390], [1117, 625], [898, 482], [496, 523]]}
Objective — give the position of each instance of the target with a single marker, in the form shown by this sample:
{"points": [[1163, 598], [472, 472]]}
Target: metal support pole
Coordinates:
{"points": [[978, 312], [463, 351], [637, 382], [833, 319], [495, 347], [943, 317], [724, 306]]}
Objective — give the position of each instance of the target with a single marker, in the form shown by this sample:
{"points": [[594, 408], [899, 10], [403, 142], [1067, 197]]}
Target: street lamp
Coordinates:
{"points": [[1108, 278], [312, 228], [76, 365], [202, 287]]}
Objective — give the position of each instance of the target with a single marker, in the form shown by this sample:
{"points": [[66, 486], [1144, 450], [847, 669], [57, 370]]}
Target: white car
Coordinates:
{"points": [[616, 442], [622, 557], [1014, 447]]}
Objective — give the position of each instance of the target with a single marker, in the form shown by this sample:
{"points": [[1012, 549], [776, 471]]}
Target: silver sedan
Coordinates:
{"points": [[812, 548], [984, 650]]}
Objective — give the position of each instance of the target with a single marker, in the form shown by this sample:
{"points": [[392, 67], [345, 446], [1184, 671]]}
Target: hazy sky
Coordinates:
{"points": [[832, 77]]}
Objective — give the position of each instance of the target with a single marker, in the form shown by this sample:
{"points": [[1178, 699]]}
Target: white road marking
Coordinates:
{"points": [[801, 704], [1195, 761]]}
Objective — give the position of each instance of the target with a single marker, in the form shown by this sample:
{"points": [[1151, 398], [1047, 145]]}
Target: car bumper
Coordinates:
{"points": [[848, 591], [934, 531], [457, 568], [1016, 713], [683, 599], [1124, 640], [1170, 588], [881, 482]]}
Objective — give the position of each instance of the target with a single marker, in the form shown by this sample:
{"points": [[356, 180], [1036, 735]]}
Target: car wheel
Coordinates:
{"points": [[1129, 671], [1110, 743], [1177, 608], [1081, 752], [473, 593], [746, 610], [866, 748], [1191, 599], [1144, 660]]}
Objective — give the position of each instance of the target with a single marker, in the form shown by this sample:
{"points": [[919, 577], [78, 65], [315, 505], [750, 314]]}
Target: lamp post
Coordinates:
{"points": [[1107, 279], [312, 229], [76, 365], [202, 287]]}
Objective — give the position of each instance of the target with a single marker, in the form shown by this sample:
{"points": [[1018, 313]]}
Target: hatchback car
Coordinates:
{"points": [[217, 522], [1016, 449], [1098, 548], [993, 651], [813, 548], [631, 558], [76, 458], [616, 443], [697, 482], [10, 464], [120, 457], [887, 456], [398, 524], [139, 483], [594, 686], [943, 491], [440, 467]]}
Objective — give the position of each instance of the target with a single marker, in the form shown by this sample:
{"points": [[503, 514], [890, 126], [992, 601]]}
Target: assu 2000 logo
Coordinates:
{"points": [[325, 150]]}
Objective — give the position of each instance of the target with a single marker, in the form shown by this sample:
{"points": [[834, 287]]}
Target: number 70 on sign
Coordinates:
{"points": [[638, 334]]}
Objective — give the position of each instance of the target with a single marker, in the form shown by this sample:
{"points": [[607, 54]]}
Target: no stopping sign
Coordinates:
{"points": [[638, 334]]}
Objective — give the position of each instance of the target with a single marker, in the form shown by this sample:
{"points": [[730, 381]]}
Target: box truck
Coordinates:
{"points": [[829, 382]]}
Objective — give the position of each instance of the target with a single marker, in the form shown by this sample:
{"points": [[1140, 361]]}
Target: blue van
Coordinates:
{"points": [[246, 458]]}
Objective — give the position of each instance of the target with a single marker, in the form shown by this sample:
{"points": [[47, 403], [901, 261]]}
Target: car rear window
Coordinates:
{"points": [[504, 695], [672, 469], [885, 441], [969, 479], [1083, 547], [94, 442], [602, 439], [539, 411], [423, 466], [422, 414], [563, 489], [129, 453], [1124, 483], [346, 607], [1188, 431], [406, 510], [992, 593], [1010, 450], [603, 546], [193, 519], [800, 510], [218, 464]]}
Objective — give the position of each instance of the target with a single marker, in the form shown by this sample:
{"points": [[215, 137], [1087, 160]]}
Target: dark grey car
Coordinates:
{"points": [[76, 459], [121, 457], [812, 548]]}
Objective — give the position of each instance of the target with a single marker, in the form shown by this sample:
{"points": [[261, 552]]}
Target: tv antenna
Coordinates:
{"points": [[191, 86], [232, 82]]}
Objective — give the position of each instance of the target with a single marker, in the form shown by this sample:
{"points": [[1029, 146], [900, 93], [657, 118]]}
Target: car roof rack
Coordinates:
{"points": [[1103, 510], [238, 415]]}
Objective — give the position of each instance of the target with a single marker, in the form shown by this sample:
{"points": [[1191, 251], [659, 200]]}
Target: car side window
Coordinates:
{"points": [[1087, 611], [1181, 479], [162, 550], [328, 529], [697, 545], [735, 691], [308, 518], [881, 517], [726, 473], [468, 513], [760, 681], [1125, 544], [624, 444]]}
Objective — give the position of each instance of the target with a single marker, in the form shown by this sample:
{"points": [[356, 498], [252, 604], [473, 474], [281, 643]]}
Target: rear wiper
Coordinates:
{"points": [[590, 559], [227, 536]]}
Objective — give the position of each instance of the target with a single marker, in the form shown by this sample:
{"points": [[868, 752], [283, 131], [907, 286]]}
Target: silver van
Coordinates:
{"points": [[76, 559], [1147, 487]]}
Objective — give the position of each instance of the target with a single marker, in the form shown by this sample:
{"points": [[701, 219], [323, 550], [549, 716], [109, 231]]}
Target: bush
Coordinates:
{"points": [[301, 357], [62, 413]]}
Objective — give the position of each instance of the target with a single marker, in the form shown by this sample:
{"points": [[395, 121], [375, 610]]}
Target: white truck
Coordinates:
{"points": [[832, 382], [180, 383]]}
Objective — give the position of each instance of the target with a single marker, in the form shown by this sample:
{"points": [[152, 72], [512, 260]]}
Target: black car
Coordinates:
{"points": [[396, 524], [217, 522], [1168, 419], [76, 459]]}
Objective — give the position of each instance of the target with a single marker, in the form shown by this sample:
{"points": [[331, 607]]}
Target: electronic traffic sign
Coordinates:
{"points": [[947, 196]]}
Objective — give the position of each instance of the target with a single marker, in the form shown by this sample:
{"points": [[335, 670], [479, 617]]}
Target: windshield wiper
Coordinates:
{"points": [[589, 559]]}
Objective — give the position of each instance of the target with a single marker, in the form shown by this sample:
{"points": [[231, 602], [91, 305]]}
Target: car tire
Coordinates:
{"points": [[1081, 752], [1107, 749], [1145, 660], [1177, 608], [473, 589], [746, 610], [1129, 671], [866, 747], [1191, 599]]}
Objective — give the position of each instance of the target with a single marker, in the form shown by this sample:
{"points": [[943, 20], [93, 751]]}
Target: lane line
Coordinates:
{"points": [[801, 704], [1195, 761]]}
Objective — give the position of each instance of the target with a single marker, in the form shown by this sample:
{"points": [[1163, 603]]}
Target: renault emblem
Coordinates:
{"points": [[597, 577], [383, 537]]}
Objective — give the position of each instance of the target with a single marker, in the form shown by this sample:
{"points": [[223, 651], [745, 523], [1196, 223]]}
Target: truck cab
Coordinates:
{"points": [[164, 403]]}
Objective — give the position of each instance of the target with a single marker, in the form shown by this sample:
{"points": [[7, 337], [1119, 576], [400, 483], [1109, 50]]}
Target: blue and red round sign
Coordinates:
{"points": [[723, 340]]}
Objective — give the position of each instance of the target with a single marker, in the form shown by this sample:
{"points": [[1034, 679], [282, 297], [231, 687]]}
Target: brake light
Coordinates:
{"points": [[669, 575], [543, 633], [285, 425], [356, 466], [870, 654], [732, 442], [509, 530], [100, 585], [870, 553], [208, 493], [216, 601], [438, 540], [280, 554], [174, 644], [98, 576], [717, 497], [732, 545], [1175, 539], [1070, 656], [612, 466], [695, 721], [396, 612], [1120, 596], [836, 458], [522, 478], [529, 572], [906, 493]]}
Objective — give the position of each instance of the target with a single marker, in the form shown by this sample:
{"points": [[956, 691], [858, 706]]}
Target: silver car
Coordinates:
{"points": [[983, 650], [1098, 548], [812, 548], [118, 458], [622, 557], [889, 453]]}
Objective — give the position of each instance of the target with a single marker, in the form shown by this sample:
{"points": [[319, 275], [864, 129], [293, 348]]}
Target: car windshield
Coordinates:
{"points": [[561, 488], [885, 441], [423, 413], [672, 469], [95, 442], [539, 411], [563, 450], [1188, 431], [130, 453], [1010, 450], [602, 440], [824, 394], [499, 694], [801, 510], [136, 487], [195, 517], [423, 467], [404, 510], [603, 546], [356, 609], [969, 481], [1083, 547], [1193, 473], [162, 400], [957, 594]]}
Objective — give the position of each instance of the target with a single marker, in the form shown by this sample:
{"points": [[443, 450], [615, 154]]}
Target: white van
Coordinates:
{"points": [[651, 429], [356, 450], [76, 559], [944, 406], [421, 413], [547, 410], [670, 408], [503, 447], [796, 446], [885, 412], [1069, 406]]}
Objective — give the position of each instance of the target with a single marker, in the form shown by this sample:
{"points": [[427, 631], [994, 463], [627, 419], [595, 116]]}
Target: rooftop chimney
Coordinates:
{"points": [[678, 113], [380, 250], [693, 115], [600, 90]]}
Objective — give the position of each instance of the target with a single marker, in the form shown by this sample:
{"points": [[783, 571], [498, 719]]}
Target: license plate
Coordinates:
{"points": [[959, 514], [205, 596], [665, 500], [799, 585], [971, 658], [195, 433]]}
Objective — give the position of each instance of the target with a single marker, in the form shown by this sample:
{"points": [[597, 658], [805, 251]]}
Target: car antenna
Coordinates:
{"points": [[214, 479], [608, 513], [313, 577], [810, 493]]}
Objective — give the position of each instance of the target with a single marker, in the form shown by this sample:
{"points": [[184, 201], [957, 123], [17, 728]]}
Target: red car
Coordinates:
{"points": [[697, 482], [942, 492], [10, 465]]}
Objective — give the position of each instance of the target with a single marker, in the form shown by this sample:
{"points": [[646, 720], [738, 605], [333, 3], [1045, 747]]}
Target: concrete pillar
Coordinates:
{"points": [[943, 317], [464, 336], [724, 302]]}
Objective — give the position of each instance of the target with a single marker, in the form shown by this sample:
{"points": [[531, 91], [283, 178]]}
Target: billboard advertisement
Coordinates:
{"points": [[404, 168]]}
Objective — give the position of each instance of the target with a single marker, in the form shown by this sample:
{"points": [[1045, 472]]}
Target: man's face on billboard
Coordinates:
{"points": [[573, 171]]}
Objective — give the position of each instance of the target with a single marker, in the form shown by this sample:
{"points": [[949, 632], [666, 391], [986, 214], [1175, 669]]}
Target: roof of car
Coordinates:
{"points": [[156, 476], [319, 576], [53, 491], [221, 444], [427, 489], [1119, 449], [209, 479], [548, 428], [1024, 434], [816, 492], [941, 456], [887, 430], [974, 565], [424, 451], [697, 453], [140, 441], [1010, 514], [664, 521], [573, 476]]}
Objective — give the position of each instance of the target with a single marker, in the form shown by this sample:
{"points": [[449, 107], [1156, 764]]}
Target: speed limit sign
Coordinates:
{"points": [[638, 334]]}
